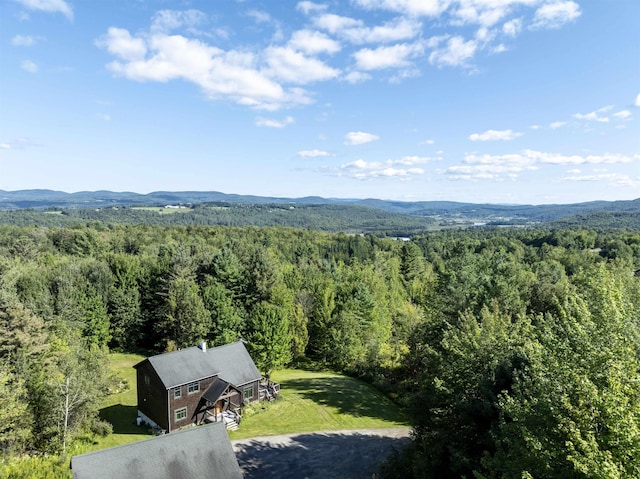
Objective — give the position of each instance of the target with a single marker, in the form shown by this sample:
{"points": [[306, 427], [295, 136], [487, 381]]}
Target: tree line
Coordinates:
{"points": [[516, 351]]}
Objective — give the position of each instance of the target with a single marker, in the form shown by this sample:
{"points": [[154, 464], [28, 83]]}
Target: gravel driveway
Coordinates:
{"points": [[330, 454]]}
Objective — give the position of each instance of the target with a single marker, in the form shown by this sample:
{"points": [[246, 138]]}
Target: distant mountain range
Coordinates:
{"points": [[442, 211]]}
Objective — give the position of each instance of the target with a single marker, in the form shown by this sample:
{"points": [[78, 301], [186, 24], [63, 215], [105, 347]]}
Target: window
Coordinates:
{"points": [[147, 381], [180, 414], [193, 387], [248, 392], [177, 392]]}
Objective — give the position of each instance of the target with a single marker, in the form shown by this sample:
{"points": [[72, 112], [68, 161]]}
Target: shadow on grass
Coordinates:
{"points": [[123, 419], [347, 395], [316, 455]]}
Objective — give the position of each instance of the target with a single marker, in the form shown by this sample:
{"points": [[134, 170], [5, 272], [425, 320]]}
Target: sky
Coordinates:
{"points": [[483, 101]]}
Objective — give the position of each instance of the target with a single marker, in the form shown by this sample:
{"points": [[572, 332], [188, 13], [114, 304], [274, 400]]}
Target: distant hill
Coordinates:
{"points": [[213, 207]]}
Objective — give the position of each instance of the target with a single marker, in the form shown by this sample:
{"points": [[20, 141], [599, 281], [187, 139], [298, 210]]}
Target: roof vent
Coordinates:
{"points": [[203, 346]]}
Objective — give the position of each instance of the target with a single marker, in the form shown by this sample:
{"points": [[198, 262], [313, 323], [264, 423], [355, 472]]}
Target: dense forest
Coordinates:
{"points": [[517, 351]]}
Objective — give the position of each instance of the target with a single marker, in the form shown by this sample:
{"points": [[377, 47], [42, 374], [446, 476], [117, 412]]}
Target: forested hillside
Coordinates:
{"points": [[516, 351]]}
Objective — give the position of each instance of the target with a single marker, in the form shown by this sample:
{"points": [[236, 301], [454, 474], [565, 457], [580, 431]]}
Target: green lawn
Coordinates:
{"points": [[120, 409], [309, 401], [317, 401]]}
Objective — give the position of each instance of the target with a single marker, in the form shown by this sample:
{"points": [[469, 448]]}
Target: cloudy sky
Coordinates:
{"points": [[501, 101]]}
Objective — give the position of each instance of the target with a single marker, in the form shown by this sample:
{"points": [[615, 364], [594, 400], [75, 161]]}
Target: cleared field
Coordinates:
{"points": [[319, 401], [161, 209], [309, 401]]}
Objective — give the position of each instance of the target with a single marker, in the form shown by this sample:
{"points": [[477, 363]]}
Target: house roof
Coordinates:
{"points": [[203, 451], [231, 362], [217, 389]]}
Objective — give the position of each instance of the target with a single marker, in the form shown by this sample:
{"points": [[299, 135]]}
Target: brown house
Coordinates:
{"points": [[192, 385]]}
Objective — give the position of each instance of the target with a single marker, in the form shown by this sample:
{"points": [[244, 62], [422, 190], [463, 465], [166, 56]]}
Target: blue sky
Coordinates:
{"points": [[500, 101]]}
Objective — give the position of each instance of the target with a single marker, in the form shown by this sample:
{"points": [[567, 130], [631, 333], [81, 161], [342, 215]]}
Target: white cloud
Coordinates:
{"points": [[535, 127], [555, 14], [24, 40], [310, 7], [119, 42], [289, 65], [494, 135], [313, 42], [29, 66], [623, 114], [269, 123], [456, 53], [612, 179], [104, 117], [430, 8], [355, 31], [356, 77], [481, 12], [169, 20], [18, 144], [312, 153], [500, 48], [558, 159], [259, 16], [403, 168], [411, 160], [512, 27], [593, 116], [392, 31], [557, 124], [234, 75], [428, 142], [637, 101], [394, 56], [359, 138], [49, 6], [508, 166], [336, 24]]}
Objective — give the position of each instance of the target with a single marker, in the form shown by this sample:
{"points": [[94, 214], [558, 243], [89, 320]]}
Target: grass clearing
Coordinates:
{"points": [[319, 401], [120, 408], [161, 209], [309, 401]]}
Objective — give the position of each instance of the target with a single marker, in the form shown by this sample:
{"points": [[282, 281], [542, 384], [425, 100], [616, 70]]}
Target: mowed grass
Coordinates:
{"points": [[309, 401], [319, 401], [120, 408]]}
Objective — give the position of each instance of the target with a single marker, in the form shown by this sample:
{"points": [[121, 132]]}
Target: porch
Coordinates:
{"points": [[268, 390]]}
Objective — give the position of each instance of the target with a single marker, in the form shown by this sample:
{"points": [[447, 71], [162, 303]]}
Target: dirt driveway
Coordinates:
{"points": [[331, 454]]}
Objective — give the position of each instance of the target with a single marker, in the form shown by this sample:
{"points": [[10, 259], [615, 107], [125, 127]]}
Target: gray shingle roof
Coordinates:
{"points": [[217, 388], [231, 362], [203, 451]]}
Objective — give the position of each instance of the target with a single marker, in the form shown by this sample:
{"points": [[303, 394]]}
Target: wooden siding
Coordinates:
{"points": [[190, 401], [152, 396], [256, 394]]}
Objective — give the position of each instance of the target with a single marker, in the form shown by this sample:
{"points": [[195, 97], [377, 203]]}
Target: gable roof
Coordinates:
{"points": [[217, 389], [231, 362], [203, 451]]}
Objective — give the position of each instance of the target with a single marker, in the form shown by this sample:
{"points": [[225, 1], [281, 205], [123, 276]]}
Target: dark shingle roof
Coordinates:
{"points": [[234, 363], [231, 362], [217, 388], [203, 451]]}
